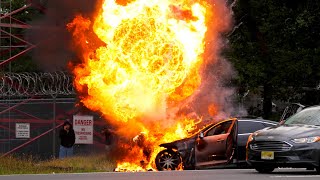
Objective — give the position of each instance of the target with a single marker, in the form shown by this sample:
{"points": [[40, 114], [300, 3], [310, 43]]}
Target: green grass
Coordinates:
{"points": [[29, 165]]}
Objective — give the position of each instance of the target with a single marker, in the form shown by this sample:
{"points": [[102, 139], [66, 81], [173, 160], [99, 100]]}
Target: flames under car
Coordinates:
{"points": [[218, 144]]}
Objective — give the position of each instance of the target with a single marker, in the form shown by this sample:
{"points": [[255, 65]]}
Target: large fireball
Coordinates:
{"points": [[141, 60]]}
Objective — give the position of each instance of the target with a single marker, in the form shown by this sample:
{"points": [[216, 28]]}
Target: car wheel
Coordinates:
{"points": [[264, 169], [167, 160]]}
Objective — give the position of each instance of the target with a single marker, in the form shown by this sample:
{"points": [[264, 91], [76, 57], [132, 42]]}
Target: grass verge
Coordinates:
{"points": [[29, 165]]}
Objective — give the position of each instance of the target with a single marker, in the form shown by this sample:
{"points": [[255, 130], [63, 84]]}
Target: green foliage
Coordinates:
{"points": [[29, 165], [277, 44]]}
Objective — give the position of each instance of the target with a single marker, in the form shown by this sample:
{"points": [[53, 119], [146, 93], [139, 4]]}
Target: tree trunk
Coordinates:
{"points": [[267, 100]]}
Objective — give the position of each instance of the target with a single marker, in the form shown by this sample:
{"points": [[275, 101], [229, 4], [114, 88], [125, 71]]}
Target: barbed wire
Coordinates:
{"points": [[39, 84]]}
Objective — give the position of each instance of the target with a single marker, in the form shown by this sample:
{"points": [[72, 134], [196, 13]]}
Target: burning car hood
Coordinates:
{"points": [[180, 144], [288, 132]]}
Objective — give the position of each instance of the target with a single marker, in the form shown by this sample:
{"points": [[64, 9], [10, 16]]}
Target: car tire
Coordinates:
{"points": [[168, 160], [264, 169]]}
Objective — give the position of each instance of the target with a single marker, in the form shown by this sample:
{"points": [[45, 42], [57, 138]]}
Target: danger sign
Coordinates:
{"points": [[83, 129], [22, 130]]}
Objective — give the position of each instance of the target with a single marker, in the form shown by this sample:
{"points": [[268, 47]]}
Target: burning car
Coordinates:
{"points": [[294, 143], [147, 66], [220, 143]]}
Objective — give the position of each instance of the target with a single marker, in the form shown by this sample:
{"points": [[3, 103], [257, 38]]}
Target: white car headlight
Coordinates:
{"points": [[306, 140]]}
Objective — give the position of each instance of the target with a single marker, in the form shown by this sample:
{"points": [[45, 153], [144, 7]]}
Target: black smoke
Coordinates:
{"points": [[49, 32]]}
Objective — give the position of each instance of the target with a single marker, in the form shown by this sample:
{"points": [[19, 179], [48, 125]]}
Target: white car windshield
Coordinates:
{"points": [[310, 116]]}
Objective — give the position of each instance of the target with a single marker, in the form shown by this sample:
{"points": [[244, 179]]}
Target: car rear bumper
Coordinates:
{"points": [[293, 158]]}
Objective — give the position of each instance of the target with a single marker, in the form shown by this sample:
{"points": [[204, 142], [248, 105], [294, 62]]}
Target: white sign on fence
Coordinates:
{"points": [[83, 129], [22, 130]]}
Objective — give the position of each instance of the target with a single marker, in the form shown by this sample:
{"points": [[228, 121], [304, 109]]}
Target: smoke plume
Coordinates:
{"points": [[217, 71], [50, 34]]}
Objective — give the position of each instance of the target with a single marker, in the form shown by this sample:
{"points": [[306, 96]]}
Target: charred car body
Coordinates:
{"points": [[217, 144], [294, 143]]}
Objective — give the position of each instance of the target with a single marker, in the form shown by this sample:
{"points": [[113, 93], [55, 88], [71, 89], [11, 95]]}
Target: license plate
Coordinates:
{"points": [[268, 155]]}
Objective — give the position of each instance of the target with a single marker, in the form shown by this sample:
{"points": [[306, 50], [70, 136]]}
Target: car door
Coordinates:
{"points": [[245, 129], [217, 144]]}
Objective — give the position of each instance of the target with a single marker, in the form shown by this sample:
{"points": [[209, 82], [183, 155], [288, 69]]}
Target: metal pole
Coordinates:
{"points": [[3, 148], [10, 54], [54, 128]]}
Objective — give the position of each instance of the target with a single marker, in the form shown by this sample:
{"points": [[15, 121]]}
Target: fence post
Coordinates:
{"points": [[54, 128]]}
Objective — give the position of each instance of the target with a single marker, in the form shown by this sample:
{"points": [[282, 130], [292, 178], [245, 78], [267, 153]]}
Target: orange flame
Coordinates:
{"points": [[141, 60]]}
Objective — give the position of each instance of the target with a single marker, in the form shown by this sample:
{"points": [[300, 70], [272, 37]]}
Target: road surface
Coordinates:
{"points": [[216, 174]]}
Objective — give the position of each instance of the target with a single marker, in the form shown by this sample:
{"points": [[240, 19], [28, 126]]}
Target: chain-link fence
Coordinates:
{"points": [[43, 101], [40, 115]]}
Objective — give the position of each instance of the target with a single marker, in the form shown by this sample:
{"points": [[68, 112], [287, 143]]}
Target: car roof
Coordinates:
{"points": [[243, 119], [312, 107], [257, 120]]}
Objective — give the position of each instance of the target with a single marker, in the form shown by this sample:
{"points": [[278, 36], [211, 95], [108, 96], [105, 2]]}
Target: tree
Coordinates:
{"points": [[277, 47]]}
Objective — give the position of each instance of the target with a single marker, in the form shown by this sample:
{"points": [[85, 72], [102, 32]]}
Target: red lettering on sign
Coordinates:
{"points": [[83, 133], [83, 137], [79, 122]]}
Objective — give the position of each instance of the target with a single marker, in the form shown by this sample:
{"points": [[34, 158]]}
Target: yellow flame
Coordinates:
{"points": [[149, 54], [148, 61]]}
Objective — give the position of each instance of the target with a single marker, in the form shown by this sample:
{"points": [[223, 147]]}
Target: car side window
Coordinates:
{"points": [[249, 126], [268, 125], [219, 129]]}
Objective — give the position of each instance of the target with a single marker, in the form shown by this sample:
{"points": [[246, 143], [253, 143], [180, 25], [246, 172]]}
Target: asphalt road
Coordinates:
{"points": [[216, 174]]}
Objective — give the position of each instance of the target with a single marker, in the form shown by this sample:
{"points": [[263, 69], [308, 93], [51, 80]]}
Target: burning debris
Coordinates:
{"points": [[141, 68]]}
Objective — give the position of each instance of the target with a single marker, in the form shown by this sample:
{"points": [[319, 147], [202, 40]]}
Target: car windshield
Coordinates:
{"points": [[308, 116]]}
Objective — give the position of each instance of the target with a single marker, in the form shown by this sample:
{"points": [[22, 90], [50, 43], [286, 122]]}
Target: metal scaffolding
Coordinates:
{"points": [[7, 24], [41, 99], [44, 100]]}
